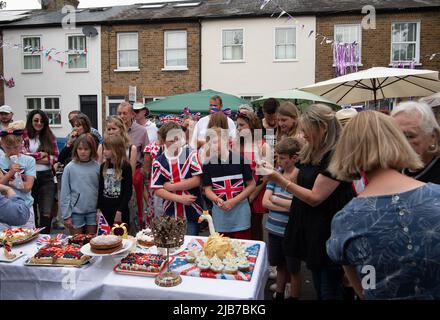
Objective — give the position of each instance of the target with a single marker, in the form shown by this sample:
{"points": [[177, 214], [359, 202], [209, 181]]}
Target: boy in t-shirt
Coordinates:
{"points": [[279, 201], [228, 182], [17, 170], [176, 177]]}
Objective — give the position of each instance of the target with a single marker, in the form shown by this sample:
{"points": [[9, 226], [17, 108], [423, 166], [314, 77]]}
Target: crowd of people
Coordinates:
{"points": [[341, 190]]}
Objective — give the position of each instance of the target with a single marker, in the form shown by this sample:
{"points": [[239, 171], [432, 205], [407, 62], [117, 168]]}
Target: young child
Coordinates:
{"points": [[278, 201], [17, 170], [176, 177], [228, 182], [79, 187], [115, 182]]}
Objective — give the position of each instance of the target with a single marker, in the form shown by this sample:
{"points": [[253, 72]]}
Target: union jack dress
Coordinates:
{"points": [[185, 166]]}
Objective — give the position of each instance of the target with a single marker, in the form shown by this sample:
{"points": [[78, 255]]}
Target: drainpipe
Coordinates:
{"points": [[200, 54]]}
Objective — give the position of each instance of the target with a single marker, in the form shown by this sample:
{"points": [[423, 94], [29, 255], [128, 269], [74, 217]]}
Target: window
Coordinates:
{"points": [[285, 43], [350, 33], [113, 103], [76, 56], [50, 105], [128, 51], [251, 98], [232, 45], [175, 50], [151, 99], [405, 42], [31, 54]]}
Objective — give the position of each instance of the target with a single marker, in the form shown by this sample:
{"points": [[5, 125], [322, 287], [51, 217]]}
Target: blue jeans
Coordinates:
{"points": [[192, 228], [328, 283]]}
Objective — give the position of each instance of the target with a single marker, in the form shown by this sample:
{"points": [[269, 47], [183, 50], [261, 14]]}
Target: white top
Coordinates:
{"points": [[151, 131], [34, 144], [202, 126]]}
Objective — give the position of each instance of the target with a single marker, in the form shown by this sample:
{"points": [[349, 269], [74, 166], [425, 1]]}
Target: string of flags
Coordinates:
{"points": [[49, 54], [9, 83]]}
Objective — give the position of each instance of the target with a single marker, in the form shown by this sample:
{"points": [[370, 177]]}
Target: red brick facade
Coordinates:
{"points": [[376, 44], [151, 80]]}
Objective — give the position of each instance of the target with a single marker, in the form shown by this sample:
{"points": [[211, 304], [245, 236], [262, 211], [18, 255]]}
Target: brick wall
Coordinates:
{"points": [[150, 80], [376, 44]]}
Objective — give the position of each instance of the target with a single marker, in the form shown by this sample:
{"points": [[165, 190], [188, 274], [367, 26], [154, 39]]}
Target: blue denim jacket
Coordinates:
{"points": [[397, 235]]}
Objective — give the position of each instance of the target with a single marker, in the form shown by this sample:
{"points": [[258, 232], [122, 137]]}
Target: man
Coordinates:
{"points": [[199, 134], [142, 113], [72, 116], [6, 116], [270, 110], [13, 210], [139, 137]]}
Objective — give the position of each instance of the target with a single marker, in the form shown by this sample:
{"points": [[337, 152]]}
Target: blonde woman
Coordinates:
{"points": [[392, 226], [317, 196], [287, 120]]}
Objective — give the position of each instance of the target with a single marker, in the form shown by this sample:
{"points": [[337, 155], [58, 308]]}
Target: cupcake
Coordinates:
{"points": [[217, 267], [215, 260], [204, 265], [191, 256], [230, 268], [243, 265]]}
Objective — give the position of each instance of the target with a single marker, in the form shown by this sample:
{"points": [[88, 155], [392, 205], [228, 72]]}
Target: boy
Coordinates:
{"points": [[17, 170], [176, 177], [270, 109], [278, 201], [228, 182]]}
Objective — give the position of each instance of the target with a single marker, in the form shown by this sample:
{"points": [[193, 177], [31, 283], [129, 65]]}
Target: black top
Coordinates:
{"points": [[114, 195], [65, 155], [309, 227], [230, 177], [431, 172]]}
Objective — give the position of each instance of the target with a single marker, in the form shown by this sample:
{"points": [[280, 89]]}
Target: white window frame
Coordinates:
{"points": [[118, 50], [275, 44], [86, 69], [108, 101], [23, 54], [173, 68], [243, 46], [60, 125], [417, 57], [359, 64]]}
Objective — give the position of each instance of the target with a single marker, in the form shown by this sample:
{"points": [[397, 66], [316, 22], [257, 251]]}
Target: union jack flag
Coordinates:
{"points": [[174, 170], [228, 187], [103, 226]]}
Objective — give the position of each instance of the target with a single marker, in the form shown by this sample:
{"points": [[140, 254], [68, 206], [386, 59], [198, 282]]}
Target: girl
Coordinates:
{"points": [[287, 120], [81, 125], [18, 170], [79, 187], [252, 147], [115, 181], [41, 144], [228, 183]]}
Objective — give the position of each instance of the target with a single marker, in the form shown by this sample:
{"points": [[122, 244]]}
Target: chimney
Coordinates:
{"points": [[58, 4]]}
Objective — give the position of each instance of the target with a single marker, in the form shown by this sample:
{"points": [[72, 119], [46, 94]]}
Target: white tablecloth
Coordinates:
{"points": [[98, 281]]}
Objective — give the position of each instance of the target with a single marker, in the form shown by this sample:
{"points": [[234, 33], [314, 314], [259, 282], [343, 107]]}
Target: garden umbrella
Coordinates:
{"points": [[377, 83], [432, 101], [196, 101]]}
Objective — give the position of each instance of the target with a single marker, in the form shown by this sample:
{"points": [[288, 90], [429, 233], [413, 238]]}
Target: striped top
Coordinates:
{"points": [[277, 221]]}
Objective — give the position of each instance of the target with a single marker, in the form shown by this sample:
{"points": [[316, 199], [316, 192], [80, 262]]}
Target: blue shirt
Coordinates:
{"points": [[13, 211], [277, 220], [398, 235], [28, 169]]}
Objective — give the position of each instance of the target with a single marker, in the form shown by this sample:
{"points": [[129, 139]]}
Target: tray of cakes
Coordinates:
{"points": [[59, 256], [142, 264], [106, 245], [18, 236]]}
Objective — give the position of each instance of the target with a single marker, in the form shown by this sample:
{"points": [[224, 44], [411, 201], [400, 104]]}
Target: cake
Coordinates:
{"points": [[81, 239], [16, 234], [58, 254], [143, 262], [8, 252], [217, 245], [145, 238], [105, 244]]}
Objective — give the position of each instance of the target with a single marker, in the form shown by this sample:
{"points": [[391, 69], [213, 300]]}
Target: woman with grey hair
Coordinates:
{"points": [[418, 123]]}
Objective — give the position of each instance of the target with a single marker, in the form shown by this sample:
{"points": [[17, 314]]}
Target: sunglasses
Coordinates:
{"points": [[242, 115]]}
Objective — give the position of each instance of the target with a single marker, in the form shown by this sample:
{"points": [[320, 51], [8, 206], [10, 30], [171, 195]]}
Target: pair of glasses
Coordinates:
{"points": [[38, 121]]}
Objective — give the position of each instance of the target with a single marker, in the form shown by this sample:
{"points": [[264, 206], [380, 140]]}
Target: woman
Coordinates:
{"points": [[41, 144], [391, 228], [418, 123], [287, 120], [253, 148], [317, 196], [81, 124]]}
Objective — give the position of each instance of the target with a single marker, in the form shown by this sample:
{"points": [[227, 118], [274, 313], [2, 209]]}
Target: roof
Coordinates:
{"points": [[209, 9]]}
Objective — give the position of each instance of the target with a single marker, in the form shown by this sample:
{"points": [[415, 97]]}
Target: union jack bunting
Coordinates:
{"points": [[174, 170], [228, 187]]}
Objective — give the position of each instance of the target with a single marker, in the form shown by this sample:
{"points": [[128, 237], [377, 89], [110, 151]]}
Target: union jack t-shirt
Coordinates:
{"points": [[184, 166]]}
